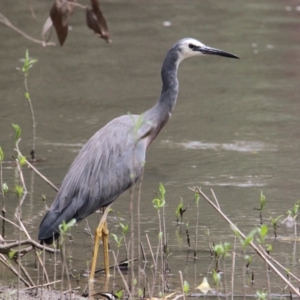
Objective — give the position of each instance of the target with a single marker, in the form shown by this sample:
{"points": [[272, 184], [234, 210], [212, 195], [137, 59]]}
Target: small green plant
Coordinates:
{"points": [[64, 228], [17, 132], [294, 211], [274, 222], [178, 211], [216, 277], [262, 205], [248, 259], [261, 295], [19, 190], [160, 201], [124, 227], [27, 65], [262, 233], [186, 287], [117, 240]]}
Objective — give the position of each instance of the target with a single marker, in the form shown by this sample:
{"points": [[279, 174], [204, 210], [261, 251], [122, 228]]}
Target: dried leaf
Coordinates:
{"points": [[204, 287], [46, 32], [95, 20], [60, 14]]}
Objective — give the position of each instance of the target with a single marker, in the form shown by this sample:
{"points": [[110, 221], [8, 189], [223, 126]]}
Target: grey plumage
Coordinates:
{"points": [[113, 158]]}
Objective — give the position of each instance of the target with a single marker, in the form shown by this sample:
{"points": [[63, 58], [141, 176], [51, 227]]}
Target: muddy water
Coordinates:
{"points": [[235, 127]]}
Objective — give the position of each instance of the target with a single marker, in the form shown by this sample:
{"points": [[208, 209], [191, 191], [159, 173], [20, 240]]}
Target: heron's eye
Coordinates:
{"points": [[191, 46]]}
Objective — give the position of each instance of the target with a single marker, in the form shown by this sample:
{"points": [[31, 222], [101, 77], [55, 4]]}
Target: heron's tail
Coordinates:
{"points": [[49, 227]]}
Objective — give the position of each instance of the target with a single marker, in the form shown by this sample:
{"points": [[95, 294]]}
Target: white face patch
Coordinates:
{"points": [[186, 50]]}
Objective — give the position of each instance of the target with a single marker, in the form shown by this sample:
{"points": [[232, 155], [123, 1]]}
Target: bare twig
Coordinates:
{"points": [[181, 281], [41, 285], [10, 267], [6, 22], [5, 249], [17, 149]]}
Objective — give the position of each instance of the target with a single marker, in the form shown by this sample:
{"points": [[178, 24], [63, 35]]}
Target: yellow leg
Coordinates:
{"points": [[105, 248], [101, 231]]}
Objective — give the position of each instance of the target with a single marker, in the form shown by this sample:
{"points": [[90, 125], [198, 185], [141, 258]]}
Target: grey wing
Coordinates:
{"points": [[108, 164]]}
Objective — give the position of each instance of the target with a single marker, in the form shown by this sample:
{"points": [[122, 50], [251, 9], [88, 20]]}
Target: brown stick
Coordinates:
{"points": [[6, 22]]}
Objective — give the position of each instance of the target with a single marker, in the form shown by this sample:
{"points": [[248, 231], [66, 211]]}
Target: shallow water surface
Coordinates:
{"points": [[235, 127]]}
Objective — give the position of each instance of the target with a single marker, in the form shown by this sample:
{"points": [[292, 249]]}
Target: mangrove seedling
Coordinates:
{"points": [[28, 64], [274, 222], [262, 205]]}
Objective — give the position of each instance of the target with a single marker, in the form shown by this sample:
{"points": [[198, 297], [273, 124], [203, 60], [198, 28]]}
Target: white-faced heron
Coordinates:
{"points": [[113, 158]]}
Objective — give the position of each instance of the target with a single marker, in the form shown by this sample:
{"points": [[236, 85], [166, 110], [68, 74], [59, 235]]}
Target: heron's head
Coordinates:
{"points": [[189, 47]]}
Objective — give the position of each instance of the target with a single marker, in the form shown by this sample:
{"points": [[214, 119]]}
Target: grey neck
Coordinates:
{"points": [[170, 86]]}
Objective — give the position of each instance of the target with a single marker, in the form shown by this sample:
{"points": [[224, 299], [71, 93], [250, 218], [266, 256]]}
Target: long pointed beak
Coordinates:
{"points": [[213, 51]]}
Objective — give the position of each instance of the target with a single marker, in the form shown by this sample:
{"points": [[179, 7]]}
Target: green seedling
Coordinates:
{"points": [[22, 160], [5, 188], [294, 211], [1, 155], [124, 227], [262, 205], [178, 211], [222, 250], [160, 202], [64, 228], [17, 132], [262, 233], [261, 295], [117, 240], [216, 277], [19, 190], [248, 259], [274, 222], [186, 287], [27, 65]]}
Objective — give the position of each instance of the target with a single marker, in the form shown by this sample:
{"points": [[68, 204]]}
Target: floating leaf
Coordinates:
{"points": [[204, 287], [95, 20], [60, 14]]}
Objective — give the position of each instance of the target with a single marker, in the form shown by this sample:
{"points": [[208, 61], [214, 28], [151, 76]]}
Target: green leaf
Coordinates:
{"points": [[197, 198], [249, 238], [22, 160], [124, 227], [186, 286], [27, 96], [262, 201], [162, 190], [119, 294], [17, 131], [264, 230], [64, 227], [5, 187], [19, 190], [1, 155], [179, 207], [216, 277], [11, 254]]}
